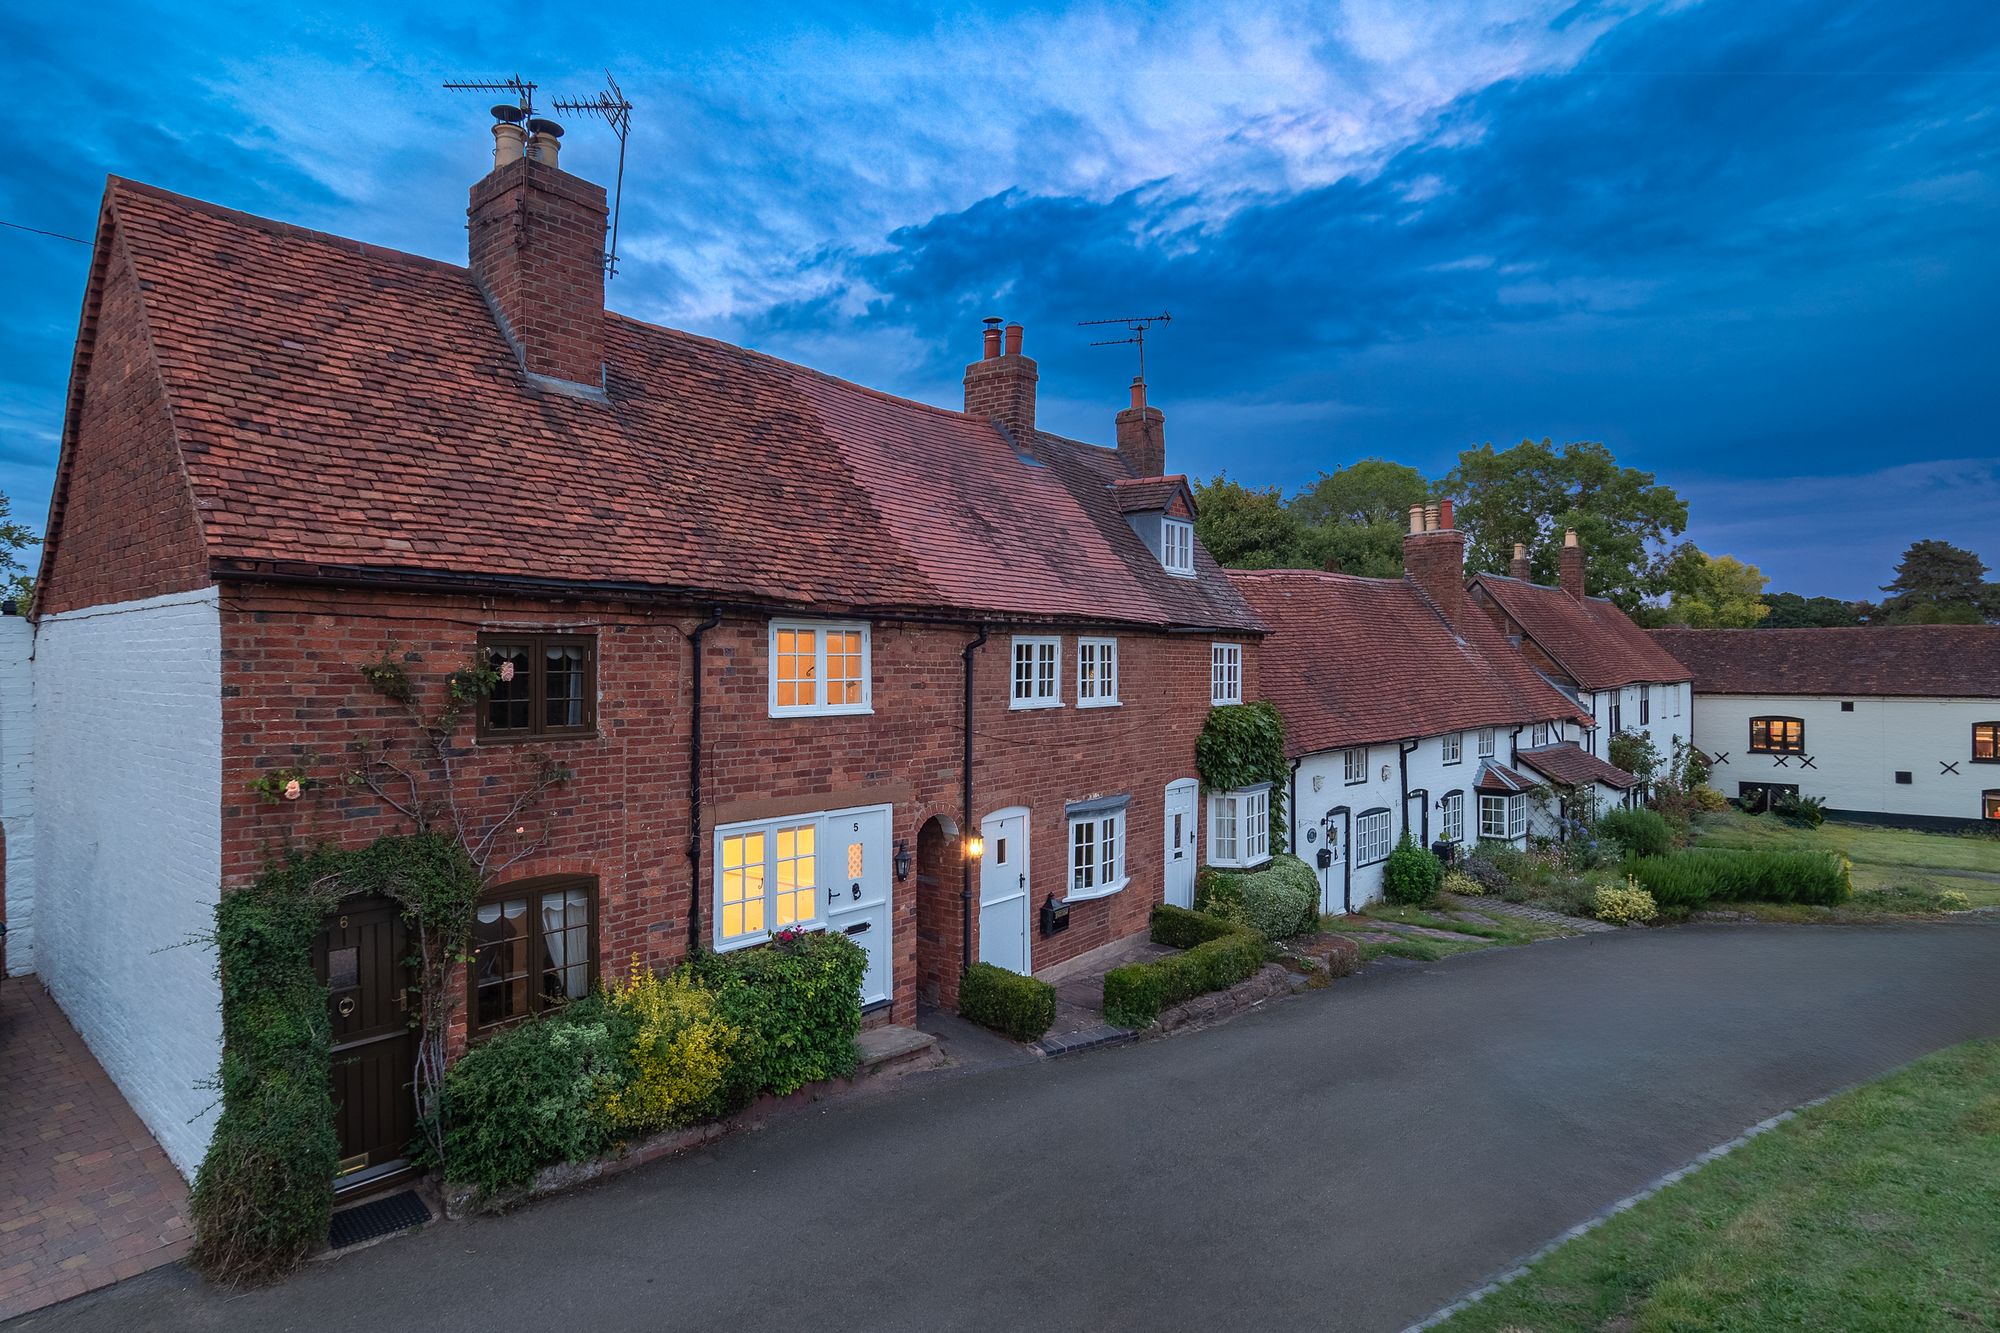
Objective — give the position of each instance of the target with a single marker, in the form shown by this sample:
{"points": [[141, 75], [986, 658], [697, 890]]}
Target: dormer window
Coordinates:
{"points": [[1177, 546]]}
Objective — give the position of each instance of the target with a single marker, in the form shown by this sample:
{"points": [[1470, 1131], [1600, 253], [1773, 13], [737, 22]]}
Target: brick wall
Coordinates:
{"points": [[536, 238]]}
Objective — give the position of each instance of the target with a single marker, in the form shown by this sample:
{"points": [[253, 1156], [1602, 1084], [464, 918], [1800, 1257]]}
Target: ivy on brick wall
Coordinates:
{"points": [[1243, 745]]}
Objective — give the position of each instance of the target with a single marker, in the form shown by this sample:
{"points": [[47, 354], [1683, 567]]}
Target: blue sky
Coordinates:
{"points": [[1750, 246]]}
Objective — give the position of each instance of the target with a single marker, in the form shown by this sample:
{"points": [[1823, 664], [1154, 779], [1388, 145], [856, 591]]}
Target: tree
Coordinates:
{"points": [[1715, 592], [1372, 491], [1788, 610], [1249, 529], [1532, 492], [1937, 583], [17, 581], [1374, 550]]}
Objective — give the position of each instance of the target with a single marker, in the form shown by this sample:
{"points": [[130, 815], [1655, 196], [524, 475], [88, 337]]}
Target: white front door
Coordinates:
{"points": [[1004, 896], [1180, 849], [854, 883]]}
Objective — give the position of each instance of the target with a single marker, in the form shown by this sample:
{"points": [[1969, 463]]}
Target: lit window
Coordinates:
{"points": [[546, 686], [1990, 807], [1777, 735], [1372, 842], [532, 949], [1354, 766], [1986, 742], [1485, 750], [1037, 673], [1452, 821], [1239, 827], [767, 879], [1097, 853], [1177, 546], [1096, 672], [1225, 673], [1503, 818], [819, 668], [1453, 747]]}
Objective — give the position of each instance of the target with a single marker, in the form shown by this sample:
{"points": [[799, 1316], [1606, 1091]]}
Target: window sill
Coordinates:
{"points": [[1032, 706], [863, 710], [1214, 702], [1100, 703], [1095, 894], [534, 737], [1239, 866]]}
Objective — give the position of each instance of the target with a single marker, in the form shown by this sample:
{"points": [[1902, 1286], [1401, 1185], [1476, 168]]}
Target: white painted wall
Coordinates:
{"points": [[1671, 716], [17, 788], [1857, 754], [128, 737]]}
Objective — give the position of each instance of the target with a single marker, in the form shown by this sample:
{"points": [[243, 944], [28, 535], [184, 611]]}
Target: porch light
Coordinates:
{"points": [[975, 846], [902, 861]]}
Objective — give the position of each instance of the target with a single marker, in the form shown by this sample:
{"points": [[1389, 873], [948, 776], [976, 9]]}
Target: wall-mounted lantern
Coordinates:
{"points": [[902, 861], [974, 846]]}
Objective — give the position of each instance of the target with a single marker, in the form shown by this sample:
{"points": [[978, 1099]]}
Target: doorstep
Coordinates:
{"points": [[893, 1047]]}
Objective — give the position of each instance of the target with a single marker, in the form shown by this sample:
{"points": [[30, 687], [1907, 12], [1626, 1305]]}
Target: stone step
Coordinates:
{"points": [[885, 1046]]}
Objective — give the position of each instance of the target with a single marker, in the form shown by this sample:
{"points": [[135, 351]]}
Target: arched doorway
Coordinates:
{"points": [[940, 913]]}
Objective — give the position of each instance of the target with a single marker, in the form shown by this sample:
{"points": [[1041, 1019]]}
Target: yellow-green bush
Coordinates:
{"points": [[680, 1052], [1457, 881], [1624, 906], [1953, 900]]}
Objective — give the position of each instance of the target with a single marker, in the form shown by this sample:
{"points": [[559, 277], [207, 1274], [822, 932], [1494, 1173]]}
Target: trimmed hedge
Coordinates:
{"points": [[1279, 901], [1692, 879], [1178, 928], [1641, 832], [1020, 1007], [795, 1005], [1135, 994]]}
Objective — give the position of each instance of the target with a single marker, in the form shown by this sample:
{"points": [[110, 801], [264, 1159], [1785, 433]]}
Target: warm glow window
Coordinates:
{"points": [[1177, 546], [819, 668], [766, 880], [1096, 672], [1225, 673], [545, 686], [1503, 818], [1037, 673], [1097, 853], [1451, 816], [533, 948], [1372, 841], [1777, 735], [1452, 747], [1239, 827], [1986, 742], [1991, 807]]}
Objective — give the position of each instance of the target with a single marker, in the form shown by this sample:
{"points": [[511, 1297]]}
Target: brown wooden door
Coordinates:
{"points": [[363, 957]]}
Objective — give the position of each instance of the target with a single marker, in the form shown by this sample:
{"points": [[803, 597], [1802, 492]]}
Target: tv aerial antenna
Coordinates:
{"points": [[609, 105], [1138, 324]]}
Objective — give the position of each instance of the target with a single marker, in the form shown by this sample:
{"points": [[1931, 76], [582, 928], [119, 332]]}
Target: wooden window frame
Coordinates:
{"points": [[1513, 815], [1035, 645], [819, 629], [1349, 764], [1105, 672], [1102, 826], [1177, 547], [1485, 743], [538, 642], [1452, 802], [1992, 738], [767, 829], [531, 889], [1767, 747], [1249, 842], [1362, 829], [1225, 674], [1989, 804], [1451, 748]]}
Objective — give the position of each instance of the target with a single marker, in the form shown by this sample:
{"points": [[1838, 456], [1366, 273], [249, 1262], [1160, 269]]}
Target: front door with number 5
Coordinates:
{"points": [[1180, 851]]}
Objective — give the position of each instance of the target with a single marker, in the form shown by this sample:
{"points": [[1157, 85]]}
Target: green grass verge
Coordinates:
{"points": [[1419, 948], [1877, 1210], [1883, 858]]}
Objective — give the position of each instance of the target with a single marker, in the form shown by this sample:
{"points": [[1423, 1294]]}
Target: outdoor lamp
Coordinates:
{"points": [[902, 861], [975, 846]]}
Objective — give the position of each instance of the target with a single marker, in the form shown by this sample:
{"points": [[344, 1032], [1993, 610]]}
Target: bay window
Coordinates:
{"points": [[1097, 848], [767, 880], [1503, 818], [1239, 827]]}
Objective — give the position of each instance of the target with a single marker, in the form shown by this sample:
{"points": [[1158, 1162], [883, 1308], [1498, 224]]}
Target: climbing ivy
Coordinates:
{"points": [[1243, 745]]}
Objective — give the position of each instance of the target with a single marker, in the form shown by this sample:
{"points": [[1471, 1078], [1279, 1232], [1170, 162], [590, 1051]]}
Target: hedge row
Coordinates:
{"points": [[1018, 1006], [1135, 994], [1691, 879], [1279, 900]]}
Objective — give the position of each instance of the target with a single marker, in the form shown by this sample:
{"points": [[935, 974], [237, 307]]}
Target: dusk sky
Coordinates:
{"points": [[1754, 247]]}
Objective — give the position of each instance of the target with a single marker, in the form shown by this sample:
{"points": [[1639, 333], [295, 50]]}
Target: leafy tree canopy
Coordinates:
{"points": [[1249, 529], [1531, 492], [1714, 592], [1788, 610], [1372, 491], [1937, 583], [16, 579]]}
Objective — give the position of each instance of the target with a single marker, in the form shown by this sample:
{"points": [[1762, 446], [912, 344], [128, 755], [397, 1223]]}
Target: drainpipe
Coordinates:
{"points": [[1403, 751], [967, 828], [1292, 805], [1514, 745], [694, 786]]}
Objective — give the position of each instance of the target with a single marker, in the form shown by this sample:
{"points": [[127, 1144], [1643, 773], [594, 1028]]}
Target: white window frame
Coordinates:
{"points": [[1239, 827], [1107, 874], [1177, 547], [1373, 831], [1451, 747], [1225, 673], [1488, 736], [1645, 705], [1503, 818], [768, 830], [1615, 713], [1104, 693], [1677, 699], [1451, 818], [1043, 650], [819, 629], [1354, 766], [1539, 736]]}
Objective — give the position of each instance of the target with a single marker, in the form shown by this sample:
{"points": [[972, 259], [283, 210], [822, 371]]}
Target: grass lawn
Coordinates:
{"points": [[1877, 1210], [1483, 933], [1882, 857]]}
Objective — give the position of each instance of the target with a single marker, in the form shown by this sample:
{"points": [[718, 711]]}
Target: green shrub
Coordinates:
{"points": [[1178, 928], [1481, 870], [1021, 1007], [1954, 900], [1243, 745], [795, 1004], [1805, 811], [1458, 882], [1623, 906], [1641, 832], [1412, 873], [1279, 901], [534, 1094], [1135, 994], [680, 1053], [1694, 878]]}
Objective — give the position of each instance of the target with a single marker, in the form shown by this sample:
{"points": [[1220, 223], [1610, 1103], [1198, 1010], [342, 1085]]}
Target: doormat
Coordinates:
{"points": [[378, 1217]]}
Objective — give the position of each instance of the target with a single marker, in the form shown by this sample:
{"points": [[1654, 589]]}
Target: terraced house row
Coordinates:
{"points": [[810, 655]]}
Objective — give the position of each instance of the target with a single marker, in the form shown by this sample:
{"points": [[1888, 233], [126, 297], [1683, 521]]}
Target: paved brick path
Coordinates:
{"points": [[1501, 907], [86, 1196]]}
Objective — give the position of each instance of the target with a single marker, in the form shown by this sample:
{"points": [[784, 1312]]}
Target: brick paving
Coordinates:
{"points": [[1542, 915], [86, 1196]]}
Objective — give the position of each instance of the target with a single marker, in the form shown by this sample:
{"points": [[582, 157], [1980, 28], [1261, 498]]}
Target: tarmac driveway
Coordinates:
{"points": [[1351, 1158]]}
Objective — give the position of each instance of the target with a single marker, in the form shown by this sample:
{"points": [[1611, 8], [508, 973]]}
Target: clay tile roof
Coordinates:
{"points": [[1137, 495], [1356, 661], [1568, 764], [1500, 779], [347, 408], [1592, 640], [1949, 661]]}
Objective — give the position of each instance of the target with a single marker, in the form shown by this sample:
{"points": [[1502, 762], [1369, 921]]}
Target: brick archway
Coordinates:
{"points": [[940, 913]]}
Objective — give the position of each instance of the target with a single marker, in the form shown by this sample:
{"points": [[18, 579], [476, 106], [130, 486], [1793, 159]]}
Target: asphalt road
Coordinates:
{"points": [[1352, 1158]]}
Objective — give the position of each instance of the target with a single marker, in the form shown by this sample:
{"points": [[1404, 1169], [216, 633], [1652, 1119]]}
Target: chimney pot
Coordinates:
{"points": [[1000, 386], [1434, 560], [1013, 340], [1445, 508], [546, 146], [1138, 394], [508, 139], [1416, 518], [1518, 567], [1431, 517], [1569, 536], [990, 341], [1570, 572]]}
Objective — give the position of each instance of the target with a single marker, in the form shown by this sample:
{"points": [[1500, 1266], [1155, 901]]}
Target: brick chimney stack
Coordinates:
{"points": [[1142, 435], [1518, 567], [1434, 559], [1570, 574], [1000, 386], [537, 252]]}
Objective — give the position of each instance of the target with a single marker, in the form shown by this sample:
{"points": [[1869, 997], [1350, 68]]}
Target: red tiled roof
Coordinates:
{"points": [[1567, 763], [344, 407], [1138, 495], [1931, 661], [1354, 661], [1592, 640], [1500, 779]]}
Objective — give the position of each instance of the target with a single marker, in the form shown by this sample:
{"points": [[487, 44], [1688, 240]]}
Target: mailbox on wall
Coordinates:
{"points": [[1055, 916]]}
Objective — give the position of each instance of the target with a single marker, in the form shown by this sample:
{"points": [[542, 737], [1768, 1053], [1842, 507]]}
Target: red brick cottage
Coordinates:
{"points": [[751, 606]]}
